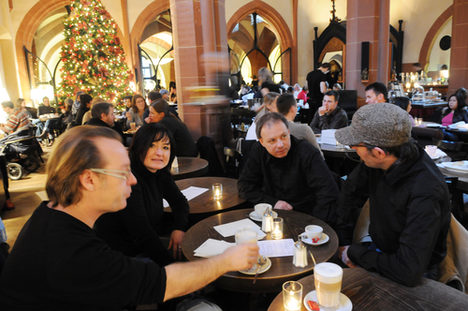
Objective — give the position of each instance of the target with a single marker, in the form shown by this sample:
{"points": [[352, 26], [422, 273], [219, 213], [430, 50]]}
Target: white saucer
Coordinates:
{"points": [[253, 270], [255, 217], [322, 240], [345, 302]]}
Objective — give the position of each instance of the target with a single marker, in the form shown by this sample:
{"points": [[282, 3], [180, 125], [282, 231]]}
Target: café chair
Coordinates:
{"points": [[426, 136], [207, 150], [453, 270]]}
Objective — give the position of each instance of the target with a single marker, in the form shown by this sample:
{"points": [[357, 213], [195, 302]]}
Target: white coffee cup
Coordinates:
{"points": [[327, 277], [260, 208], [313, 232]]}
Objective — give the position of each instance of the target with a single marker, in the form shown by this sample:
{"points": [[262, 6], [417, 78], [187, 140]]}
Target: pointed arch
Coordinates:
{"points": [[274, 17]]}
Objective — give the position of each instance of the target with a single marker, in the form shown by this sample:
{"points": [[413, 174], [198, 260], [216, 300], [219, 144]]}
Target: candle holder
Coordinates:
{"points": [[217, 189], [277, 229], [292, 296]]}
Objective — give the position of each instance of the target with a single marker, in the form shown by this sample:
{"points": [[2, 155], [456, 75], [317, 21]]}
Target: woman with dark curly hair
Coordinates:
{"points": [[137, 229]]}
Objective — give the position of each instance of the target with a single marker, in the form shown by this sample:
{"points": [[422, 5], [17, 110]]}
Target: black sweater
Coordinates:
{"points": [[301, 178], [409, 218], [135, 230], [58, 263]]}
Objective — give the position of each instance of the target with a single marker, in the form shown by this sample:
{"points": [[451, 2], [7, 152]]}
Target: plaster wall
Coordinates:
{"points": [[418, 17], [134, 10]]}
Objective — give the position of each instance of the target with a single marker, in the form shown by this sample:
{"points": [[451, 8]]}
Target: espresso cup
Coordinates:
{"points": [[327, 278], [314, 232], [260, 208]]}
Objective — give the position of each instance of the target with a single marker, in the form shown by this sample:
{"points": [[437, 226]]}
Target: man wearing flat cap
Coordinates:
{"points": [[409, 210]]}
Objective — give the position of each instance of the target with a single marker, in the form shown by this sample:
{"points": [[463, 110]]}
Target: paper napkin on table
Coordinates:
{"points": [[190, 193], [276, 248], [328, 137], [231, 228], [212, 247]]}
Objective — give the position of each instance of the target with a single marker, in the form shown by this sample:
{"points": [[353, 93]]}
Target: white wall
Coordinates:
{"points": [[418, 17], [134, 10]]}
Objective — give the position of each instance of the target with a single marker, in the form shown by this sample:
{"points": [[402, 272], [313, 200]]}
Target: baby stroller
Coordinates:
{"points": [[22, 153]]}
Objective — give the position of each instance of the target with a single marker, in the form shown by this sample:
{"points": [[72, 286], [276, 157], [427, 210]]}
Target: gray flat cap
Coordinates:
{"points": [[163, 91], [382, 125]]}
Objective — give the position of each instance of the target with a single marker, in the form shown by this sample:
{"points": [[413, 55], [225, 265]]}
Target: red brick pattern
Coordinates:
{"points": [[459, 49]]}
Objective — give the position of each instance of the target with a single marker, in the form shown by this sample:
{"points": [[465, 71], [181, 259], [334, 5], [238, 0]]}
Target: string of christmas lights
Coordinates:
{"points": [[92, 55]]}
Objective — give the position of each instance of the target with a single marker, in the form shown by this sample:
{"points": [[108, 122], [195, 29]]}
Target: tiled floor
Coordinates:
{"points": [[26, 194]]}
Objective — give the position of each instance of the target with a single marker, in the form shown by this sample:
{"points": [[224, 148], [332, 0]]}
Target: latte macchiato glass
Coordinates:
{"points": [[328, 278], [246, 235]]}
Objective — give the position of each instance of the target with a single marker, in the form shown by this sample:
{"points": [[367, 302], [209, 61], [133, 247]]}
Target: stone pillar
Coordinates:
{"points": [[367, 20], [459, 47], [200, 43]]}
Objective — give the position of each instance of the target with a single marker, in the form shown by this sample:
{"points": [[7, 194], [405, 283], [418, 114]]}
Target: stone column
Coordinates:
{"points": [[200, 43], [459, 47], [367, 20]]}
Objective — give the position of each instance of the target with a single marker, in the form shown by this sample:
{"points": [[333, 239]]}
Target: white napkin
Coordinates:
{"points": [[190, 193], [231, 228], [328, 137], [212, 247], [276, 248]]}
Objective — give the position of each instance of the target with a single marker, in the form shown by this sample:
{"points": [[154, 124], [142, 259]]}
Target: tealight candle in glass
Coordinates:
{"points": [[217, 189], [277, 230], [292, 296]]}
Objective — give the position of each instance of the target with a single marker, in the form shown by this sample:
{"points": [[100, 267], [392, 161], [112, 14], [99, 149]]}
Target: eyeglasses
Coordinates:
{"points": [[125, 175]]}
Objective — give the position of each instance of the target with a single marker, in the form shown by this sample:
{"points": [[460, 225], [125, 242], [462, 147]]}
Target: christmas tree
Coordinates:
{"points": [[93, 58]]}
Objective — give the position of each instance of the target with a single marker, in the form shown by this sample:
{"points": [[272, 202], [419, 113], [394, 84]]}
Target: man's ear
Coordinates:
{"points": [[379, 153], [103, 116], [261, 141], [381, 97], [88, 180]]}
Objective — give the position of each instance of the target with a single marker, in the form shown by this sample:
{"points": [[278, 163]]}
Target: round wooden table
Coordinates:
{"points": [[281, 269], [370, 291], [204, 203], [190, 167]]}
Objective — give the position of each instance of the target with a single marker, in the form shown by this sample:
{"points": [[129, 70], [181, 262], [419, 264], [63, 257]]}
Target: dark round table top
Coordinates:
{"points": [[370, 291], [282, 268], [190, 167], [204, 203]]}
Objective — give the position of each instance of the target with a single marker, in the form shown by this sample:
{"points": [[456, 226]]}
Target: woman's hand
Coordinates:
{"points": [[176, 243]]}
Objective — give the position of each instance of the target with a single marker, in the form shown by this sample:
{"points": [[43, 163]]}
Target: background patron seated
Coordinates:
{"points": [[329, 115]]}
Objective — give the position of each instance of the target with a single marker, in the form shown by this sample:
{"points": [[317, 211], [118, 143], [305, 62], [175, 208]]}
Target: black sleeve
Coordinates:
{"points": [[251, 179], [315, 124], [321, 182], [105, 278], [136, 221], [354, 193], [416, 244], [176, 200]]}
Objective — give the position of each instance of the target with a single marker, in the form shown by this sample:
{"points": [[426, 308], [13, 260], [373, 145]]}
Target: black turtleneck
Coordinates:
{"points": [[135, 230]]}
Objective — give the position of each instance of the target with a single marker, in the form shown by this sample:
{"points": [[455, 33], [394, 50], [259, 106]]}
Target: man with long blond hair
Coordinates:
{"points": [[58, 262]]}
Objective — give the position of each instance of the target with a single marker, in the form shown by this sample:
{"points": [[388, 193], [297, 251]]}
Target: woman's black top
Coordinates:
{"points": [[136, 229]]}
